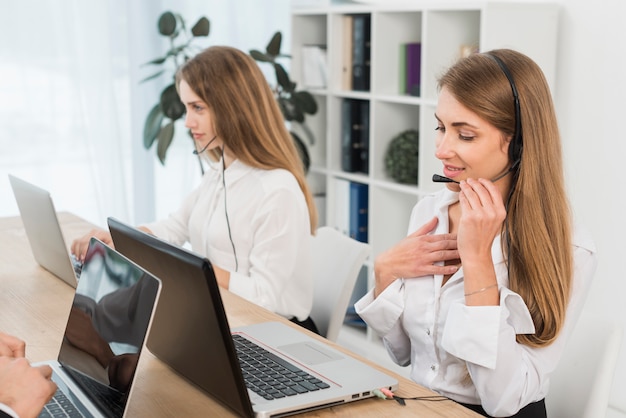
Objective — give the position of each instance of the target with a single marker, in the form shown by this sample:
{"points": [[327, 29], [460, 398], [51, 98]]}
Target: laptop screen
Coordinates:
{"points": [[107, 326]]}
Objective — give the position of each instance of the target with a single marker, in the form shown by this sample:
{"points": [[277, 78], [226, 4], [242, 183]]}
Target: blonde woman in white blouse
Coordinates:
{"points": [[481, 296], [253, 214]]}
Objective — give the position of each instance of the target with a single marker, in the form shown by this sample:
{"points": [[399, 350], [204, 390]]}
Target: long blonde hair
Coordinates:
{"points": [[537, 230], [245, 113]]}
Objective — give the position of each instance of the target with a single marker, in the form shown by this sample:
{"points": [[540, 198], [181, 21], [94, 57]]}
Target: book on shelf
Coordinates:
{"points": [[355, 135], [341, 206], [314, 66], [402, 69], [346, 52], [351, 209], [358, 211], [410, 64], [361, 46]]}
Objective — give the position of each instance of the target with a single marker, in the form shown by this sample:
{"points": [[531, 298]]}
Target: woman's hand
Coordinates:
{"points": [[80, 245], [416, 255], [482, 216]]}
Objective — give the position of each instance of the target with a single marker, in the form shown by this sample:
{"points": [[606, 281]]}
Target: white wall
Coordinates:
{"points": [[590, 94]]}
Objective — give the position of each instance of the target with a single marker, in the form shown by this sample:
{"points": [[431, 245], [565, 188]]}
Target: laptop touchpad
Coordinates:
{"points": [[309, 353]]}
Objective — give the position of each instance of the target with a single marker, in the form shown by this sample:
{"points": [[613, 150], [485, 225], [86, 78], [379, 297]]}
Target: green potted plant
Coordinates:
{"points": [[159, 126]]}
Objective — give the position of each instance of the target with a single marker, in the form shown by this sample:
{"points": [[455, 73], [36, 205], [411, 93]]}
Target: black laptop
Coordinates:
{"points": [[191, 334]]}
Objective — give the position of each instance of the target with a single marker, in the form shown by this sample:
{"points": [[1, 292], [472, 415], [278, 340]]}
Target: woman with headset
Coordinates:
{"points": [[253, 213], [482, 294]]}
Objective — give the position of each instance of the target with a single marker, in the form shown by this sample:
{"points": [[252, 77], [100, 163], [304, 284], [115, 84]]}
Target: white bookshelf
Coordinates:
{"points": [[441, 27]]}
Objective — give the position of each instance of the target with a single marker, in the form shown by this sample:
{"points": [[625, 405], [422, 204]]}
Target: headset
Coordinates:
{"points": [[516, 146]]}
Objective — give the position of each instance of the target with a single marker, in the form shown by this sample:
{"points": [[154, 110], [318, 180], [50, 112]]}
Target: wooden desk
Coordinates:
{"points": [[34, 306]]}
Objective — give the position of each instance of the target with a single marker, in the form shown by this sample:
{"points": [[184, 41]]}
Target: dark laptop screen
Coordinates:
{"points": [[107, 326]]}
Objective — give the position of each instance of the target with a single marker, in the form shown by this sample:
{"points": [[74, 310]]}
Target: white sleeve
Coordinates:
{"points": [[8, 411], [175, 229], [508, 375], [384, 315]]}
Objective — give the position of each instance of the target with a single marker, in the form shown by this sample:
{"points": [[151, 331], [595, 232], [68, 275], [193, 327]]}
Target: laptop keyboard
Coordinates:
{"points": [[269, 375], [59, 406], [78, 266], [107, 397]]}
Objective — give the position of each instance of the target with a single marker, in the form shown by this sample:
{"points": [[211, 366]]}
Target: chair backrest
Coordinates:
{"points": [[581, 384], [337, 260]]}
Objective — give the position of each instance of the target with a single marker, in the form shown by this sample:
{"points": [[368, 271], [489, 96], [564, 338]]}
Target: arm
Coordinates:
{"points": [[420, 254], [175, 228], [508, 375]]}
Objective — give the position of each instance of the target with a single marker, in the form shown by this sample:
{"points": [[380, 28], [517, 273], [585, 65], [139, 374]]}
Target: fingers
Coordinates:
{"points": [[79, 246], [11, 346], [426, 228], [45, 370]]}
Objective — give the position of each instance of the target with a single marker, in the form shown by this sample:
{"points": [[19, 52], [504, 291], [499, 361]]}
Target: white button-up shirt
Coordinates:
{"points": [[270, 229], [428, 326]]}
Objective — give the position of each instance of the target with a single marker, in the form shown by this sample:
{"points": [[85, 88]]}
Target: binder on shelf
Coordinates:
{"points": [[355, 135], [361, 37], [358, 211], [314, 66], [363, 139], [346, 56], [342, 206], [413, 72]]}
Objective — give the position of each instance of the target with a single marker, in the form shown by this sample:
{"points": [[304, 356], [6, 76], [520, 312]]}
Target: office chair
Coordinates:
{"points": [[581, 384], [337, 260]]}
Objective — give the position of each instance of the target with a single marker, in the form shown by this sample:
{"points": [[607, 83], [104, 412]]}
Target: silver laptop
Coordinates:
{"points": [[191, 334], [106, 329], [43, 231]]}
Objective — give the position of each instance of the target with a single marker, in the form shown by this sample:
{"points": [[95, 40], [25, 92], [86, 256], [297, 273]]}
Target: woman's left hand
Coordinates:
{"points": [[482, 215]]}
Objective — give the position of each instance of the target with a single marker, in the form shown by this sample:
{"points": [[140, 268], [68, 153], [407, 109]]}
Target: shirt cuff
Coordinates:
{"points": [[7, 411], [472, 332], [383, 312]]}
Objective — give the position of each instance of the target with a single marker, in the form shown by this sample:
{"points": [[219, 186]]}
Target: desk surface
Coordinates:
{"points": [[34, 306]]}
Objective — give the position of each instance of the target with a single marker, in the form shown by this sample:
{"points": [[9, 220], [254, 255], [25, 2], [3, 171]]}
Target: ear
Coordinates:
{"points": [[505, 143]]}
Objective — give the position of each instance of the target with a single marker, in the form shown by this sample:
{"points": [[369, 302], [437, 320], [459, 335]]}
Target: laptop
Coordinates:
{"points": [[106, 329], [192, 336], [43, 231]]}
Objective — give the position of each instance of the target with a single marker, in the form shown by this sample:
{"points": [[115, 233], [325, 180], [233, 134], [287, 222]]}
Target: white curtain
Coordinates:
{"points": [[72, 108]]}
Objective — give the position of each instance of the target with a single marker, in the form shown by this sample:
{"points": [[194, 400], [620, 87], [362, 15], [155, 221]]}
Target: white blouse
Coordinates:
{"points": [[428, 326], [270, 230]]}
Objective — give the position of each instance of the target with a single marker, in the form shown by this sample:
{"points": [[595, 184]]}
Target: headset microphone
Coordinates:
{"points": [[196, 152], [441, 179]]}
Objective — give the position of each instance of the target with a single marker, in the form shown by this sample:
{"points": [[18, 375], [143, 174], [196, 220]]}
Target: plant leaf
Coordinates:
{"points": [[152, 127], [152, 76], [167, 24], [305, 102], [260, 56], [290, 111], [156, 61], [273, 47], [179, 19], [201, 28], [165, 139], [283, 78], [171, 106]]}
